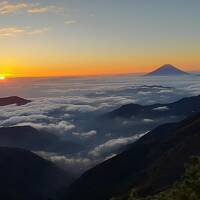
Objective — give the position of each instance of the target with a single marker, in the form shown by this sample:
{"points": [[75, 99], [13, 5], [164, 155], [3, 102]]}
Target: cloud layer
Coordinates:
{"points": [[70, 108]]}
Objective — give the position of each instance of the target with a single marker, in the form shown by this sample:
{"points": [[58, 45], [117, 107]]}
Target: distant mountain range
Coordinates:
{"points": [[26, 176], [35, 140], [150, 165], [184, 107], [13, 100], [167, 70]]}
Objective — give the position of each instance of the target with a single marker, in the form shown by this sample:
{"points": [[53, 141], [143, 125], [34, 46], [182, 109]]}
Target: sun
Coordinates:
{"points": [[2, 78]]}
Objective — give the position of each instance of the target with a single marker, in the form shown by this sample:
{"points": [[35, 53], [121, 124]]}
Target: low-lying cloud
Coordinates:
{"points": [[161, 108], [70, 108], [60, 128], [86, 135], [113, 145]]}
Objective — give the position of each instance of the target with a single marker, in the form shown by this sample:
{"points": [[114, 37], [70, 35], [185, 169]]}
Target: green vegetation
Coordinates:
{"points": [[187, 189]]}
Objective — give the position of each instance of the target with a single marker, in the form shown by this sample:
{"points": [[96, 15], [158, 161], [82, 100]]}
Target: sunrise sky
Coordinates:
{"points": [[87, 37]]}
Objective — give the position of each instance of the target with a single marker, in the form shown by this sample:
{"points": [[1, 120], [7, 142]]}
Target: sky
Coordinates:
{"points": [[96, 37]]}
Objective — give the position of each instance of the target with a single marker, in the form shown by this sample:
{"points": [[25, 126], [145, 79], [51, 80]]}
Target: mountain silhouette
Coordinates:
{"points": [[13, 100], [184, 107], [167, 70], [32, 139], [24, 175], [148, 166]]}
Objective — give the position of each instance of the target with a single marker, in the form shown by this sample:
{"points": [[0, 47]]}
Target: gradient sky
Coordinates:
{"points": [[85, 37]]}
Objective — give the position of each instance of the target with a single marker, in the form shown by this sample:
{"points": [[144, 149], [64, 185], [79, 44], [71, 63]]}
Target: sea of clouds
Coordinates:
{"points": [[71, 109]]}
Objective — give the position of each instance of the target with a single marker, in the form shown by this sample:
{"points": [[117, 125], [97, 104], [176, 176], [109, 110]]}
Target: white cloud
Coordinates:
{"points": [[59, 128], [161, 108], [113, 145], [38, 31], [80, 108], [165, 91], [74, 164], [71, 22], [148, 120], [20, 119], [7, 7], [85, 135], [144, 92], [11, 31], [38, 10], [6, 32]]}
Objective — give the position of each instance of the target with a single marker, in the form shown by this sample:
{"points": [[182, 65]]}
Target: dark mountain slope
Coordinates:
{"points": [[24, 175], [13, 100], [32, 139], [186, 189], [184, 107], [167, 70], [150, 165]]}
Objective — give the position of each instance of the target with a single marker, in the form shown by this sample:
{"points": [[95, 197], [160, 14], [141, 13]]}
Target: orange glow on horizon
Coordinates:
{"points": [[36, 63], [83, 71], [73, 69]]}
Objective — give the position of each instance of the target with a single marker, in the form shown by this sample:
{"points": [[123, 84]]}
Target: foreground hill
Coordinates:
{"points": [[150, 165], [32, 139], [13, 100], [167, 70], [187, 188], [24, 175], [184, 107]]}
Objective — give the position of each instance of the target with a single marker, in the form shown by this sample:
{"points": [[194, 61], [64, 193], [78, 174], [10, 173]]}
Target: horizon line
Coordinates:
{"points": [[88, 75]]}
